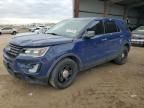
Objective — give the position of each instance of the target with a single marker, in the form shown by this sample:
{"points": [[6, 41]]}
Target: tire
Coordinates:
{"points": [[63, 74], [122, 58], [0, 33], [14, 33]]}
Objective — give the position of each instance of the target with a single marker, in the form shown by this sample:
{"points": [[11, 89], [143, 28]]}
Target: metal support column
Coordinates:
{"points": [[125, 15], [106, 7], [76, 8]]}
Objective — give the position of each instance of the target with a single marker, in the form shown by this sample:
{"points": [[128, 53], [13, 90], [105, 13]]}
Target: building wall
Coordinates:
{"points": [[90, 8], [133, 17], [95, 8], [141, 22]]}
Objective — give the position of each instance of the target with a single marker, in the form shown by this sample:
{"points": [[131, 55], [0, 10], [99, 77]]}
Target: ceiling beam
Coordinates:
{"points": [[136, 5], [116, 1]]}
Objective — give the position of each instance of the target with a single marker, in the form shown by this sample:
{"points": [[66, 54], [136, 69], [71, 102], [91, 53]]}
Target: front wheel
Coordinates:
{"points": [[64, 73], [122, 58]]}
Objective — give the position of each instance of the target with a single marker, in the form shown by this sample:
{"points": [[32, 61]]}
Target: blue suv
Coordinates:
{"points": [[69, 47]]}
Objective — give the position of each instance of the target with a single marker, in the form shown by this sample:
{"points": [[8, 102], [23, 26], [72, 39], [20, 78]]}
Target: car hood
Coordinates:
{"points": [[36, 40]]}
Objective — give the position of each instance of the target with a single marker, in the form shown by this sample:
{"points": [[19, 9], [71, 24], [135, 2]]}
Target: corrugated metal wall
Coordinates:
{"points": [[90, 8], [95, 8]]}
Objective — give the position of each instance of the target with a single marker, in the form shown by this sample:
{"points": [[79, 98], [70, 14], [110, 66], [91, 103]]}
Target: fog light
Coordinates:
{"points": [[30, 68], [34, 68]]}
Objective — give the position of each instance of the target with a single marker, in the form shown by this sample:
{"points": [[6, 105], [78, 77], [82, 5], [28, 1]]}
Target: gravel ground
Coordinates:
{"points": [[105, 86]]}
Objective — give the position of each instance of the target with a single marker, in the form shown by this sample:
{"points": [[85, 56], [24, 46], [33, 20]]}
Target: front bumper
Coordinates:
{"points": [[27, 77], [137, 42], [15, 67]]}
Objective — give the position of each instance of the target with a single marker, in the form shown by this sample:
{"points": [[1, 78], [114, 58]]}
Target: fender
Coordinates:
{"points": [[62, 57], [128, 43]]}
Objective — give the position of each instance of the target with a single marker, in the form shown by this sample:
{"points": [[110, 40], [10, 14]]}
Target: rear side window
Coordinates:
{"points": [[98, 27], [110, 27], [6, 28]]}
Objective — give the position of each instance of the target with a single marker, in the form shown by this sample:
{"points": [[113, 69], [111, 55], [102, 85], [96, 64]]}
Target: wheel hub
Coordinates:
{"points": [[65, 73]]}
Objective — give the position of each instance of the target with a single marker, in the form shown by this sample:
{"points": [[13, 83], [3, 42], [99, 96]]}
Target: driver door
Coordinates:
{"points": [[92, 50]]}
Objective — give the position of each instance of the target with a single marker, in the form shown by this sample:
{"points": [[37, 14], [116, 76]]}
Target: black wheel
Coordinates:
{"points": [[64, 73], [122, 58], [14, 33], [0, 33]]}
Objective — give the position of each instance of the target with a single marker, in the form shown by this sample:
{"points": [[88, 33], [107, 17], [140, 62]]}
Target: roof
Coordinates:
{"points": [[96, 18]]}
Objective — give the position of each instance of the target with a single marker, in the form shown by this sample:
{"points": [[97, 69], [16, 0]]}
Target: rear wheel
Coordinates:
{"points": [[122, 58], [0, 33], [64, 73], [14, 33]]}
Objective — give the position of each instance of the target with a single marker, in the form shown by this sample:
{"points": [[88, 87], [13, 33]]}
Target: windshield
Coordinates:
{"points": [[139, 30], [69, 28]]}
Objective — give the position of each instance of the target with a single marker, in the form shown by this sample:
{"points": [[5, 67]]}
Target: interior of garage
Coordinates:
{"points": [[129, 10]]}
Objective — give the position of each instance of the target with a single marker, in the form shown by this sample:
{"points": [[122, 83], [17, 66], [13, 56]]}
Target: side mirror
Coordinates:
{"points": [[89, 34]]}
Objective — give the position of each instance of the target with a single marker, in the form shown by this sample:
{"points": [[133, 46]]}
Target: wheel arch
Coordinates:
{"points": [[76, 59], [71, 56], [14, 32], [127, 45]]}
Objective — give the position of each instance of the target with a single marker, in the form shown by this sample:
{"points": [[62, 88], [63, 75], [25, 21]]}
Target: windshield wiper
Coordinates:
{"points": [[53, 33]]}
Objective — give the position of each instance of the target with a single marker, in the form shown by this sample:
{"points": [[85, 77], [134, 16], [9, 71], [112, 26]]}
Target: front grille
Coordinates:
{"points": [[14, 50]]}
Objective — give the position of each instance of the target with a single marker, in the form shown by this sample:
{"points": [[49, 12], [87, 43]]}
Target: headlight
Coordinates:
{"points": [[35, 52]]}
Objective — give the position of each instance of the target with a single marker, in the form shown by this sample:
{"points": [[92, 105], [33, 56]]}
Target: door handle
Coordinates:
{"points": [[104, 39]]}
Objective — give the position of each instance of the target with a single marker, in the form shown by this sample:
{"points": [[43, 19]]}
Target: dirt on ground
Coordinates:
{"points": [[105, 86]]}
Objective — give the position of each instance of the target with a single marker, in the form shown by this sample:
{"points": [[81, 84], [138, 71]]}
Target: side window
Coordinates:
{"points": [[37, 29], [110, 27], [97, 26], [118, 29], [6, 28]]}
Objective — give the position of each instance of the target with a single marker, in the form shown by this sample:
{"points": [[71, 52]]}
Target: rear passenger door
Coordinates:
{"points": [[112, 38]]}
